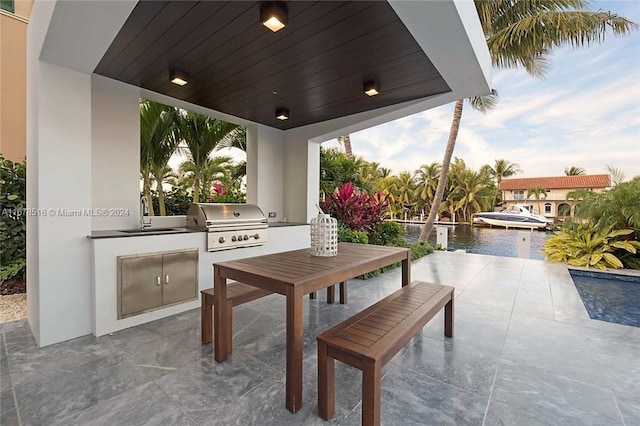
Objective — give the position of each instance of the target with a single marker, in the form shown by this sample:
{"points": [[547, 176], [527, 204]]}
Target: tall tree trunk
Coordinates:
{"points": [[196, 189], [495, 195], [346, 141], [161, 206], [442, 181], [147, 192]]}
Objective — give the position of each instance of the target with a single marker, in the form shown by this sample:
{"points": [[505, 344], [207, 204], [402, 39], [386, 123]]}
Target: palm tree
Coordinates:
{"points": [[406, 189], [617, 175], [346, 142], [213, 170], [202, 135], [388, 187], [427, 181], [576, 196], [574, 171], [500, 170], [537, 192], [523, 34], [470, 193], [157, 144]]}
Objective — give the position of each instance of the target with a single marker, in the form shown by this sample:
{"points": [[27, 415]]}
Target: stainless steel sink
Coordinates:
{"points": [[149, 231]]}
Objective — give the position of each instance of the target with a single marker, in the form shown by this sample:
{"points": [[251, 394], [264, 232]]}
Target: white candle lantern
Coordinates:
{"points": [[324, 236]]}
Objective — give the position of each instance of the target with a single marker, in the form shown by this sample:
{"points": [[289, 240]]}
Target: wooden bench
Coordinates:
{"points": [[369, 339], [239, 293]]}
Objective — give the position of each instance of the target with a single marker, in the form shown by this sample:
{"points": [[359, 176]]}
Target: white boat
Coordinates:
{"points": [[518, 216]]}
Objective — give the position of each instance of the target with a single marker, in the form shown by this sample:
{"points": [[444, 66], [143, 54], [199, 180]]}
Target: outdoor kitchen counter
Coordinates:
{"points": [[119, 233]]}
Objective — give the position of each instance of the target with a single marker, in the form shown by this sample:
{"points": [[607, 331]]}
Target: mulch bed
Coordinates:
{"points": [[13, 286]]}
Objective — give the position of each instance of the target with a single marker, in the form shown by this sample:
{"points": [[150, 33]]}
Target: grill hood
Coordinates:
{"points": [[218, 216]]}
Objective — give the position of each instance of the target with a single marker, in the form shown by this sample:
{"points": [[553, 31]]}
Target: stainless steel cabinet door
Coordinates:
{"points": [[180, 277], [141, 284]]}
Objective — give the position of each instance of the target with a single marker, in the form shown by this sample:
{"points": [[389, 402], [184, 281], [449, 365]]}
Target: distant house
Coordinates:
{"points": [[554, 202]]}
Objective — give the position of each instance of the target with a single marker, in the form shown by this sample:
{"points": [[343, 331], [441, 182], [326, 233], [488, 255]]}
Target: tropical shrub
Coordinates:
{"points": [[354, 209], [618, 207], [176, 201], [387, 234], [13, 221], [346, 235], [587, 246]]}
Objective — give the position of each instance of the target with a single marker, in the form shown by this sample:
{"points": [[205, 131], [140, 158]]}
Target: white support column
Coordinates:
{"points": [[115, 163], [265, 169], [59, 296], [302, 159]]}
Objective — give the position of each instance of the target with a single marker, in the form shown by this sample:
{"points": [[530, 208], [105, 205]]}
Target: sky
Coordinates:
{"points": [[584, 113]]}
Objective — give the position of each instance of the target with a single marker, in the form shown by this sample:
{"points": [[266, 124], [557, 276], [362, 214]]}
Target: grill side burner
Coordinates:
{"points": [[229, 225]]}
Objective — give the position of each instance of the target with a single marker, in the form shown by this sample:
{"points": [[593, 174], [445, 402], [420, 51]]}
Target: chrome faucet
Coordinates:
{"points": [[144, 209]]}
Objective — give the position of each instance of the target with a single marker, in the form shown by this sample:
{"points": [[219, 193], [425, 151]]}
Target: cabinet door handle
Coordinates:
{"points": [[158, 280], [166, 279]]}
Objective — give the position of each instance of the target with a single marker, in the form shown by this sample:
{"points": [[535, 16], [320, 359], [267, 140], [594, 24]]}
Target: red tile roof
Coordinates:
{"points": [[557, 182]]}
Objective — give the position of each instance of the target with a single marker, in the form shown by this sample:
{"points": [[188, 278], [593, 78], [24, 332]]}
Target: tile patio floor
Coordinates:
{"points": [[524, 353]]}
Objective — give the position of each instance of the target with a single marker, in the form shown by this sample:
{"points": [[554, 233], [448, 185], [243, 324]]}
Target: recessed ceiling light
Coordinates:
{"points": [[273, 15], [178, 77], [370, 88], [282, 114]]}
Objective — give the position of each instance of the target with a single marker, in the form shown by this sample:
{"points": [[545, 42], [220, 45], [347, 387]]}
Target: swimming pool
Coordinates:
{"points": [[609, 297]]}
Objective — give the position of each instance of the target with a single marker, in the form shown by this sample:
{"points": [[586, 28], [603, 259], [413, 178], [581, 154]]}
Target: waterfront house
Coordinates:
{"points": [[556, 201]]}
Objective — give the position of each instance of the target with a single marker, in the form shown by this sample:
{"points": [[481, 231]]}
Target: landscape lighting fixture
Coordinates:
{"points": [[370, 88], [178, 77], [273, 15], [282, 114]]}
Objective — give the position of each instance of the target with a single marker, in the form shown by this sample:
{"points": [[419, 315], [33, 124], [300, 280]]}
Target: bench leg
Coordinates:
{"points": [[371, 390], [206, 319], [331, 294], [448, 318], [326, 383], [343, 292]]}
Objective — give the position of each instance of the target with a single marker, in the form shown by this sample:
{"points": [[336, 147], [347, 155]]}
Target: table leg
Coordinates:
{"points": [[294, 348], [220, 331], [406, 270]]}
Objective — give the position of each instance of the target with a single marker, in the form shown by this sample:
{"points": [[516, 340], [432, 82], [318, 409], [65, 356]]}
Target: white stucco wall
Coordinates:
{"points": [[115, 157], [265, 164]]}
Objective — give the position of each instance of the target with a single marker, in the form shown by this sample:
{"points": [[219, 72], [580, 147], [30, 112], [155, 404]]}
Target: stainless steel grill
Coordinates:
{"points": [[229, 225]]}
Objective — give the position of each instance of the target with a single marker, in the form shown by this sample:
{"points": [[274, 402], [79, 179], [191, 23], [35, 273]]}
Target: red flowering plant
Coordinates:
{"points": [[355, 209]]}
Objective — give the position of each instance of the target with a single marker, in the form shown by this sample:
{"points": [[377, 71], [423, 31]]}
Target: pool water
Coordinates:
{"points": [[607, 297], [482, 240]]}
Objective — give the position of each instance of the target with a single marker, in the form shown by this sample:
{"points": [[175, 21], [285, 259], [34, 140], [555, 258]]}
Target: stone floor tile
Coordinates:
{"points": [[451, 362], [412, 398], [8, 412], [70, 391], [553, 398], [146, 404]]}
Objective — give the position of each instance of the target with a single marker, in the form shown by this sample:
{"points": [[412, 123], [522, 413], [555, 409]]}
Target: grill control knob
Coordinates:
{"points": [[233, 238], [256, 236], [246, 237], [240, 237], [221, 240]]}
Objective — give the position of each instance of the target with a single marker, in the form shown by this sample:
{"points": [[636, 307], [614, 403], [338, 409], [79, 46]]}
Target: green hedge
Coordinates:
{"points": [[13, 220]]}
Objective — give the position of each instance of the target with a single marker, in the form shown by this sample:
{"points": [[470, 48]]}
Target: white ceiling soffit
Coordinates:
{"points": [[81, 31]]}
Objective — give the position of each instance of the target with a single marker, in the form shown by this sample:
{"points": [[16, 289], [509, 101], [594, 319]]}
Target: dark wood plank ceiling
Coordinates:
{"points": [[315, 67]]}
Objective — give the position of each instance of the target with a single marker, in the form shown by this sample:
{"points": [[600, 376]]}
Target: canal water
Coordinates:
{"points": [[482, 240]]}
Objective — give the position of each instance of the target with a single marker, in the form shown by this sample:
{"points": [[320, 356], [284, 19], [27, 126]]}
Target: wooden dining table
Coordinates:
{"points": [[294, 274]]}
